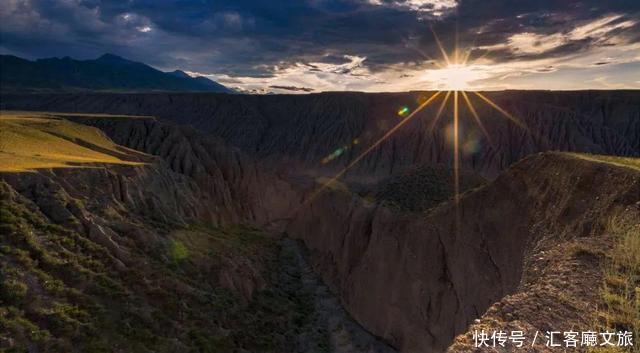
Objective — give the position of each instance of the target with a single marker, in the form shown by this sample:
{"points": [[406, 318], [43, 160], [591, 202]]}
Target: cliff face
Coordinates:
{"points": [[193, 178], [232, 188], [302, 130], [418, 280]]}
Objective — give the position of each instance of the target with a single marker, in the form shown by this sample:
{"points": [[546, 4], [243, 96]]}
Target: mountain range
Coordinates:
{"points": [[107, 73]]}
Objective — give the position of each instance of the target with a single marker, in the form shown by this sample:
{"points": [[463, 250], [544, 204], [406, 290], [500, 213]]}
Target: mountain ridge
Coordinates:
{"points": [[108, 72]]}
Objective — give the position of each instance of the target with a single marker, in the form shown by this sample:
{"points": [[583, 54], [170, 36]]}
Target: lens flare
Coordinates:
{"points": [[370, 148], [456, 161], [475, 115], [439, 113], [442, 51], [456, 148], [504, 112], [335, 154], [403, 111]]}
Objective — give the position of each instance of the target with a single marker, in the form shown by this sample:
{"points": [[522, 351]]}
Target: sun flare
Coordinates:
{"points": [[455, 77]]}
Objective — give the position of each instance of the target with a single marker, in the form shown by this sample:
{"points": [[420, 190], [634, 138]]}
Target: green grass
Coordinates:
{"points": [[30, 141]]}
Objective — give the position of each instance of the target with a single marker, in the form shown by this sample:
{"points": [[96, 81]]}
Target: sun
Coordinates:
{"points": [[457, 76], [454, 77]]}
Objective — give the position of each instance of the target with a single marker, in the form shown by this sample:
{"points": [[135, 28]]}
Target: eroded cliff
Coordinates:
{"points": [[420, 280], [301, 130]]}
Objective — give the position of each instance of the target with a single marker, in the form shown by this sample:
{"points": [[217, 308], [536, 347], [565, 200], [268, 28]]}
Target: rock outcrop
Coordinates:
{"points": [[149, 256], [181, 179]]}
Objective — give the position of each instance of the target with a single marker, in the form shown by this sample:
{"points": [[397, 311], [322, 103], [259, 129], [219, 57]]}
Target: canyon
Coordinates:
{"points": [[418, 278]]}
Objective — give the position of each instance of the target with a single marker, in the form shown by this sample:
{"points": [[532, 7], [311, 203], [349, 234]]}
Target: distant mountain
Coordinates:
{"points": [[213, 85], [179, 73], [106, 73]]}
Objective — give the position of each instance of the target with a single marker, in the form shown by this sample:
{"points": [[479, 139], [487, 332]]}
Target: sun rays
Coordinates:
{"points": [[373, 146], [455, 73]]}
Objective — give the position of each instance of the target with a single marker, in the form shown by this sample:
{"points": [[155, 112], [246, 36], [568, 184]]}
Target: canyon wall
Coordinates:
{"points": [[298, 131], [418, 280], [232, 188]]}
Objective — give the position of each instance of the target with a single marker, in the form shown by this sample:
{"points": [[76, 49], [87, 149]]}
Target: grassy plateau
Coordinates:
{"points": [[30, 141]]}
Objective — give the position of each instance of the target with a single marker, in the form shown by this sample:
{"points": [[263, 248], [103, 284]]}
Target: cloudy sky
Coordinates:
{"points": [[365, 45]]}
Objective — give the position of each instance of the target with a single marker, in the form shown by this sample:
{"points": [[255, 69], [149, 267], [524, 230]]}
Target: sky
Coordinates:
{"points": [[301, 46]]}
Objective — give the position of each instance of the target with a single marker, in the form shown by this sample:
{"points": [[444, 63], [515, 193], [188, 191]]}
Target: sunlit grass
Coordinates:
{"points": [[30, 141], [621, 288], [615, 160]]}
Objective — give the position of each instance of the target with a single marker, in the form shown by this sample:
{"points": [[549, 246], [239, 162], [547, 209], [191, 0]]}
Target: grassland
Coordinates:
{"points": [[30, 141]]}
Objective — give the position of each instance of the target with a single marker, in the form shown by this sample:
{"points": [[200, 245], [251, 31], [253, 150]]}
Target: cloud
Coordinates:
{"points": [[602, 31], [338, 44], [435, 8], [292, 88], [322, 76], [531, 43]]}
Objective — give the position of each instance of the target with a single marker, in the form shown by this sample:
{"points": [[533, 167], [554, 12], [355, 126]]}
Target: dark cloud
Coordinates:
{"points": [[251, 38], [293, 88]]}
